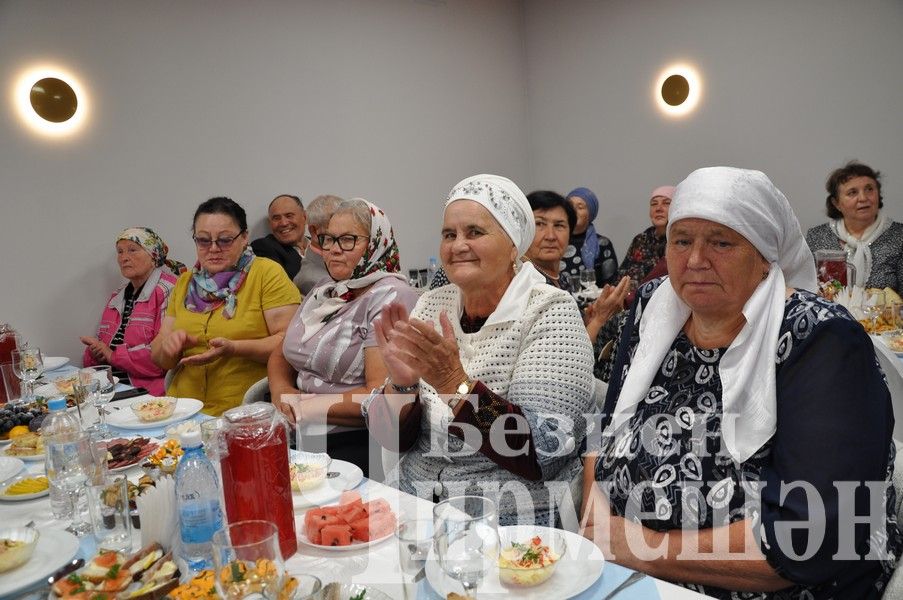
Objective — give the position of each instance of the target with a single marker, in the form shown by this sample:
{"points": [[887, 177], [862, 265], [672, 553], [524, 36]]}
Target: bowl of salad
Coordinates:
{"points": [[155, 409], [307, 470], [531, 561]]}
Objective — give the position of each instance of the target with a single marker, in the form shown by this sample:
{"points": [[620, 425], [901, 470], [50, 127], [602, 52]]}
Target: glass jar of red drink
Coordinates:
{"points": [[256, 483], [9, 341]]}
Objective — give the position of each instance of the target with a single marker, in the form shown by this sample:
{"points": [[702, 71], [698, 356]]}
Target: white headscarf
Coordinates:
{"points": [[750, 204], [509, 206], [507, 203]]}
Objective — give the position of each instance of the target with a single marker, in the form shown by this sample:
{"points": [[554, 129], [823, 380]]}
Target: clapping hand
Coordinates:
{"points": [[609, 302], [216, 348], [99, 351], [412, 350]]}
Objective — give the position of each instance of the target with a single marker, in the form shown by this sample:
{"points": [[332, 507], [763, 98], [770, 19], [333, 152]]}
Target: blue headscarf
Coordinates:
{"points": [[590, 249]]}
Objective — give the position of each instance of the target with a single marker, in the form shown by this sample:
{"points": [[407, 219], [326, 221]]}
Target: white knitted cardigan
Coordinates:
{"points": [[543, 363]]}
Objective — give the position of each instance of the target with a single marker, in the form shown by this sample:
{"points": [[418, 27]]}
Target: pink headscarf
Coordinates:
{"points": [[664, 190]]}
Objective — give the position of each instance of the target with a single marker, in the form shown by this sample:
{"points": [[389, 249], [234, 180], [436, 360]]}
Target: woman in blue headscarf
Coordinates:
{"points": [[587, 249]]}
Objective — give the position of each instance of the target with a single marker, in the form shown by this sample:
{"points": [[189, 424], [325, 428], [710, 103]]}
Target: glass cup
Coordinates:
{"points": [[28, 365], [467, 539], [103, 386], [70, 466], [415, 538], [247, 561], [308, 588], [872, 306], [588, 279], [896, 315], [108, 505]]}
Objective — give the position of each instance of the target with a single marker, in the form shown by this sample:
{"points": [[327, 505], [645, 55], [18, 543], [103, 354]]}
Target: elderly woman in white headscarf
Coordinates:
{"points": [[737, 397], [496, 346]]}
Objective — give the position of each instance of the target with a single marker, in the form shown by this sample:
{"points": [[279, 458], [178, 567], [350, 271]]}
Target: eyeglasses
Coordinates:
{"points": [[223, 243], [346, 242]]}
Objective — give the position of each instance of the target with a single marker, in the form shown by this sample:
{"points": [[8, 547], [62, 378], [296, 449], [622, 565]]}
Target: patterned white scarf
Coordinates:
{"points": [[858, 250]]}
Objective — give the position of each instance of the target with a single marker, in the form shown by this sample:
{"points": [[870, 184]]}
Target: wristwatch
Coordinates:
{"points": [[461, 392]]}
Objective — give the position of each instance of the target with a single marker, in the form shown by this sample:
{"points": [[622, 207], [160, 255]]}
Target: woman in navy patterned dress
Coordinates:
{"points": [[745, 414]]}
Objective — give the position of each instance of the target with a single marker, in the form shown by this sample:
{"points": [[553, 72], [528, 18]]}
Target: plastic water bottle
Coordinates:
{"points": [[431, 270], [59, 426], [197, 499]]}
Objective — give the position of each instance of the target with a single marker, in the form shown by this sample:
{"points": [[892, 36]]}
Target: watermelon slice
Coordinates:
{"points": [[335, 535]]}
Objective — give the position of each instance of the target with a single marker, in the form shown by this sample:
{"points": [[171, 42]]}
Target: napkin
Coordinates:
{"points": [[157, 509]]}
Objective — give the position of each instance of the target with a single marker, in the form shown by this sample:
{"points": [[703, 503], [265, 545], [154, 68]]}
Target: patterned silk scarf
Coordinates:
{"points": [[208, 292], [379, 261]]}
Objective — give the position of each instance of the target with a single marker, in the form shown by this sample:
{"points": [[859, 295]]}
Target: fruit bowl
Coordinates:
{"points": [[16, 546]]}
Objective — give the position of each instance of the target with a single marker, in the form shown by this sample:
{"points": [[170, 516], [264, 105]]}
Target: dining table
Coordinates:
{"points": [[376, 566]]}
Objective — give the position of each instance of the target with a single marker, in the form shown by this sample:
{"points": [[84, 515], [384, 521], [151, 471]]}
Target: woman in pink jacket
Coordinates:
{"points": [[132, 317]]}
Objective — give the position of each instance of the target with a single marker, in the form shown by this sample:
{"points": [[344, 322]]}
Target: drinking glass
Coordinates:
{"points": [[415, 538], [108, 505], [103, 375], [896, 312], [588, 279], [84, 390], [69, 465], [28, 365], [467, 539], [872, 307], [247, 560], [309, 587]]}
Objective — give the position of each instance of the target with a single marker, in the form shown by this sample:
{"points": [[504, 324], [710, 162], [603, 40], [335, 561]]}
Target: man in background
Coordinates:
{"points": [[313, 268], [287, 244]]}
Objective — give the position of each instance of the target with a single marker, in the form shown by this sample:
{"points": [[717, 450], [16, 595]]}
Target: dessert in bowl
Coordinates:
{"points": [[17, 544]]}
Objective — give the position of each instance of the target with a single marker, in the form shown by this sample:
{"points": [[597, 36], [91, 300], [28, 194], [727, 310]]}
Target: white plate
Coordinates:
{"points": [[125, 418], [9, 466], [32, 458], [351, 590], [21, 497], [48, 390], [887, 345], [350, 475], [355, 545], [577, 570], [54, 549], [52, 363], [140, 461]]}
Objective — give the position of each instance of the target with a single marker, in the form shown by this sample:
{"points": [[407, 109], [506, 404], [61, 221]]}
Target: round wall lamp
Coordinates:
{"points": [[678, 90], [50, 101]]}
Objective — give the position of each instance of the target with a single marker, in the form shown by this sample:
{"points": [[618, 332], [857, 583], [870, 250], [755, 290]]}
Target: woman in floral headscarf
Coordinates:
{"points": [[226, 315], [132, 317], [329, 354]]}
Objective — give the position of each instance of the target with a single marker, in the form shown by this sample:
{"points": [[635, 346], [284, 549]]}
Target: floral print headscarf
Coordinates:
{"points": [[153, 244], [379, 261], [382, 251]]}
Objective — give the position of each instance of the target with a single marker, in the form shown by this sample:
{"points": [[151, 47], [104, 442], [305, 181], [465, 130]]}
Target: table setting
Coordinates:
{"points": [[350, 537]]}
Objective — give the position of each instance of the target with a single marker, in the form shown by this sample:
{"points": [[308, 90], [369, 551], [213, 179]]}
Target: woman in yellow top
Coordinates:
{"points": [[226, 315]]}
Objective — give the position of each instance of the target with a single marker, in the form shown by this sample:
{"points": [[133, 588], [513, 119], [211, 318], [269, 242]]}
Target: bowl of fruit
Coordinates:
{"points": [[19, 419]]}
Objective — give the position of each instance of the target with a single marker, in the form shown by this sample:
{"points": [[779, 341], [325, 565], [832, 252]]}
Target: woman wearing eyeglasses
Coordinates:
{"points": [[226, 315], [329, 358]]}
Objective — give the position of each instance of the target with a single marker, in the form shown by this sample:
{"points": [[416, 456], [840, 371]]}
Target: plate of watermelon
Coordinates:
{"points": [[352, 524]]}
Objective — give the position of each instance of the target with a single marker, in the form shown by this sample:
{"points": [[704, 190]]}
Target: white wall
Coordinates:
{"points": [[794, 88], [394, 100]]}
